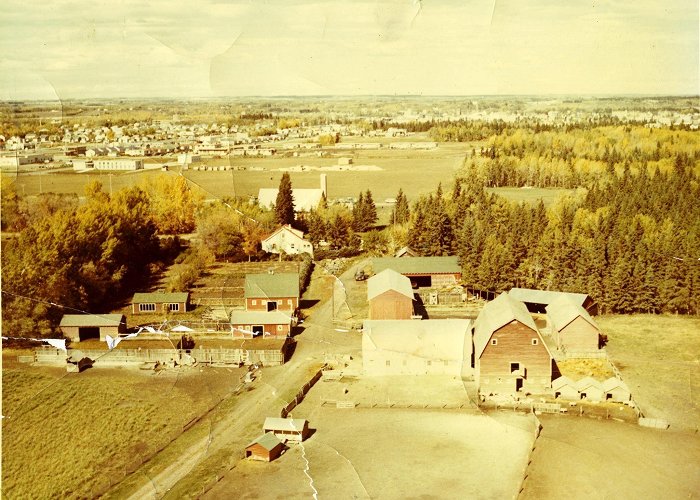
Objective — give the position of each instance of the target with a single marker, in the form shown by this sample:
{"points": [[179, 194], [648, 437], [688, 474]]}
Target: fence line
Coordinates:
{"points": [[301, 394]]}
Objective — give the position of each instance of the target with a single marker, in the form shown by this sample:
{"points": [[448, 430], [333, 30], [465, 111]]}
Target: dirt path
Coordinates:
{"points": [[234, 429]]}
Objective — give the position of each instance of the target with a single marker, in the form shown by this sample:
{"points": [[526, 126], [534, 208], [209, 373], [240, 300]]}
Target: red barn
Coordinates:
{"points": [[390, 296], [573, 328], [271, 292], [260, 323], [510, 355], [266, 448]]}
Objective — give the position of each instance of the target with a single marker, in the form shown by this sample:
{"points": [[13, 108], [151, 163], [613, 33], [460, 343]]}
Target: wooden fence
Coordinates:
{"points": [[300, 395], [271, 357]]}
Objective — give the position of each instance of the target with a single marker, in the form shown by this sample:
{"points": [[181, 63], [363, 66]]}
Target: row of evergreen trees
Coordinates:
{"points": [[631, 242]]}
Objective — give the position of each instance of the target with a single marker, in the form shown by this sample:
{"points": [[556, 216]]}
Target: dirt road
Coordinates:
{"points": [[233, 428]]}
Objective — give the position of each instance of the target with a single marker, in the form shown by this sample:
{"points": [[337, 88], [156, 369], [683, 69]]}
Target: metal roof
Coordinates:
{"points": [[418, 265], [545, 296], [614, 383], [433, 339], [496, 314], [87, 320], [160, 297], [562, 381], [587, 382], [271, 285], [284, 424], [565, 309], [388, 279], [268, 441], [260, 318]]}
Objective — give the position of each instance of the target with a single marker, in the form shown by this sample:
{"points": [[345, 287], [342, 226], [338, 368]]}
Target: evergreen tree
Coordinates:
{"points": [[401, 213], [284, 204]]}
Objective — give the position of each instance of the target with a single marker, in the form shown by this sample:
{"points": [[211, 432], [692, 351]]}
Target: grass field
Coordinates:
{"points": [[659, 357], [72, 435], [531, 195], [583, 458]]}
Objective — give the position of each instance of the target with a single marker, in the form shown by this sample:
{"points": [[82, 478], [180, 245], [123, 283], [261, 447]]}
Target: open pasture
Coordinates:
{"points": [[582, 458], [659, 357], [72, 435]]}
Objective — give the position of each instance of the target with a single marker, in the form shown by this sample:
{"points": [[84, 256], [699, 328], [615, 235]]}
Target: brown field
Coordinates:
{"points": [[72, 435], [581, 458], [397, 453], [659, 357]]}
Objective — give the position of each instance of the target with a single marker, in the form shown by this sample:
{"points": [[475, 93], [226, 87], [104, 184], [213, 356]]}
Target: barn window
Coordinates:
{"points": [[514, 367], [494, 341], [388, 363], [173, 307], [430, 362], [147, 307], [254, 302], [279, 328], [535, 341], [289, 301]]}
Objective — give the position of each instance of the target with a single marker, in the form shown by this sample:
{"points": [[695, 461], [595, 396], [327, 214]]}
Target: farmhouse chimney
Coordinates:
{"points": [[324, 185]]}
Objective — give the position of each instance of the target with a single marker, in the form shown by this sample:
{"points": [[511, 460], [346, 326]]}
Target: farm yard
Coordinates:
{"points": [[74, 435], [659, 357], [397, 453]]}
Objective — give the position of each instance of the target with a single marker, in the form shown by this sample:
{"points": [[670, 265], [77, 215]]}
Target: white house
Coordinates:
{"points": [[287, 240], [305, 200]]}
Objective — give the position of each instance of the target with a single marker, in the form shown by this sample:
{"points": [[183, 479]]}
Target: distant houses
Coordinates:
{"points": [[424, 272], [390, 296], [510, 355]]}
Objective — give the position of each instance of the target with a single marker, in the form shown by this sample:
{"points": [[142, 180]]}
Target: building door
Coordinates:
{"points": [[518, 384], [257, 330], [271, 305], [88, 332]]}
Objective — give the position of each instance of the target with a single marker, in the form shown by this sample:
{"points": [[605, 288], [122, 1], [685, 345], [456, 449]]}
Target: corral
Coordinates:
{"points": [[414, 453]]}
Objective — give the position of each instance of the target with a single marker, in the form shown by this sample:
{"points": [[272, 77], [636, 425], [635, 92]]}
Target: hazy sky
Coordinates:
{"points": [[135, 48]]}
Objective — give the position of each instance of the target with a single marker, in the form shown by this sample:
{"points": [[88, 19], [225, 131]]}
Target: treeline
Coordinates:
{"points": [[77, 260], [581, 157], [631, 241]]}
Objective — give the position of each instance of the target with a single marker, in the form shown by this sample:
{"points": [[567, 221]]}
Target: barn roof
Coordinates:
{"points": [[305, 200], [614, 383], [268, 441], [160, 297], [418, 265], [260, 318], [565, 309], [388, 279], [562, 381], [496, 314], [94, 320], [284, 424], [434, 339], [587, 382], [271, 285], [545, 296]]}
